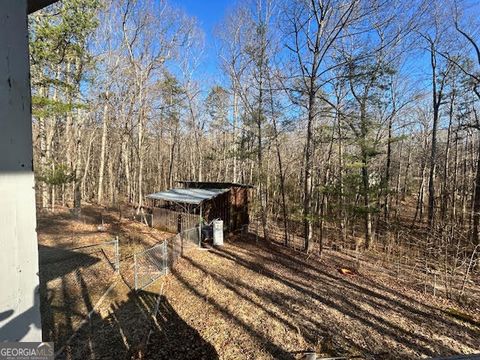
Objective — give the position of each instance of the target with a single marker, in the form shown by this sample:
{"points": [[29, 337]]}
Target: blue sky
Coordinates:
{"points": [[208, 13]]}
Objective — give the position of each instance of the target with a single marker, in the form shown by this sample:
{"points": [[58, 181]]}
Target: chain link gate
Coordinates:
{"points": [[150, 264], [154, 262]]}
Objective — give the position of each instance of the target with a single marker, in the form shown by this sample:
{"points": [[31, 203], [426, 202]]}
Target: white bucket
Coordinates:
{"points": [[218, 232]]}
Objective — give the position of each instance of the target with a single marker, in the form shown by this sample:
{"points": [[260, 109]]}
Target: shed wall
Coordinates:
{"points": [[239, 208]]}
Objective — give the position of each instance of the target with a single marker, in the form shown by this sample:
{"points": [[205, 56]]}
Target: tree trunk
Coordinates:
{"points": [[102, 151], [454, 183], [366, 202], [386, 209], [343, 218], [281, 173], [307, 181], [87, 165], [444, 187], [140, 150], [234, 132], [43, 160], [436, 100], [77, 191], [476, 201]]}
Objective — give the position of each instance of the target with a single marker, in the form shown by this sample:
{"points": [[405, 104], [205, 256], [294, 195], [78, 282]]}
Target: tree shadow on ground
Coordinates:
{"points": [[173, 338], [126, 331], [310, 281], [57, 305], [131, 331], [276, 351]]}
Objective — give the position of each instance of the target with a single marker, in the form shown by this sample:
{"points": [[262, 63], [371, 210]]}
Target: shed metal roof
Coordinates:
{"points": [[187, 196], [215, 184]]}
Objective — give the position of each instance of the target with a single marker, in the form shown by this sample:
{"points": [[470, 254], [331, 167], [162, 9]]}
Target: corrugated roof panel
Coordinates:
{"points": [[215, 184], [187, 196]]}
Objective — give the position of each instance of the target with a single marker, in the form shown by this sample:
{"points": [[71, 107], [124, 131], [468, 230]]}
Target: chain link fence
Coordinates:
{"points": [[191, 237], [156, 261], [175, 249]]}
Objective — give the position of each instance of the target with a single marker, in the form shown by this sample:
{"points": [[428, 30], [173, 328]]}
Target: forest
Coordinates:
{"points": [[357, 121]]}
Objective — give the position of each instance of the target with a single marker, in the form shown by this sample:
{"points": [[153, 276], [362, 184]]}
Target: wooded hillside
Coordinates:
{"points": [[356, 120]]}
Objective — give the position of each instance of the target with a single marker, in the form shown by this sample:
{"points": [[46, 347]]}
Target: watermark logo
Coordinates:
{"points": [[26, 351]]}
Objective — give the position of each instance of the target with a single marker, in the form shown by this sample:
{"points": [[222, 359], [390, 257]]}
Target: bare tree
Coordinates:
{"points": [[314, 27]]}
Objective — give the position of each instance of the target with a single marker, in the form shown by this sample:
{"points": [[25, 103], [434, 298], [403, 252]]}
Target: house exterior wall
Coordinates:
{"points": [[19, 282]]}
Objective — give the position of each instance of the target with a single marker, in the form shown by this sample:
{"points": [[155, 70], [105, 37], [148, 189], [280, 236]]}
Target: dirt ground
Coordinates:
{"points": [[74, 275], [95, 224], [247, 300]]}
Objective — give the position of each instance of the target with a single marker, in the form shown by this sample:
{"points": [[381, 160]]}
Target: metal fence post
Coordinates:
{"points": [[200, 224], [165, 256], [117, 255], [135, 270], [182, 234]]}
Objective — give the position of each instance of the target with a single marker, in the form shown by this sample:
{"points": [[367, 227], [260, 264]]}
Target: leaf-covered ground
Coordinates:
{"points": [[252, 301], [247, 300], [74, 274]]}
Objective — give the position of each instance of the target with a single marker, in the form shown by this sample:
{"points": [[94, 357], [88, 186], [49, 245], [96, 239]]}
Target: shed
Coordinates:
{"points": [[183, 208], [237, 201]]}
